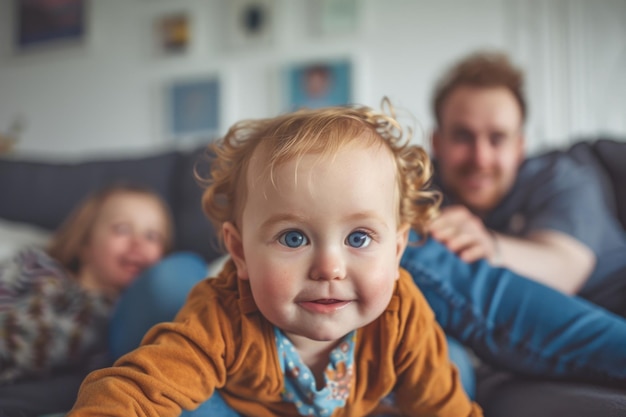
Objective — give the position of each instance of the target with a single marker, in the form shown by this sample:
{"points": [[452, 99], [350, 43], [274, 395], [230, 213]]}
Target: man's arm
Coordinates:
{"points": [[549, 257]]}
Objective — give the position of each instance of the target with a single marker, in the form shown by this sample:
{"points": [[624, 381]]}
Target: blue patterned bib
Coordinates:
{"points": [[300, 386]]}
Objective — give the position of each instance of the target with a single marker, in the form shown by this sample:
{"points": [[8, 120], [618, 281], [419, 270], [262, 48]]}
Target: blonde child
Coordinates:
{"points": [[312, 315], [55, 303]]}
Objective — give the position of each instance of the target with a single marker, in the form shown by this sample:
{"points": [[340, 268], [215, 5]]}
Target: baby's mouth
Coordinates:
{"points": [[325, 305], [327, 301]]}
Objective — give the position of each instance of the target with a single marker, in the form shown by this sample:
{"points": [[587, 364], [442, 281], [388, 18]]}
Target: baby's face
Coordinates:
{"points": [[322, 245]]}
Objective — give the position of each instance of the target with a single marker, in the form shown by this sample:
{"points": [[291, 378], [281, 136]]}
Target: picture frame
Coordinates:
{"points": [[335, 17], [193, 109], [173, 33], [318, 84], [44, 24]]}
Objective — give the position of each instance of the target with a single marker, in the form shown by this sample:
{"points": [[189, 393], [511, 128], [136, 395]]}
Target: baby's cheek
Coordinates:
{"points": [[272, 283], [380, 287]]}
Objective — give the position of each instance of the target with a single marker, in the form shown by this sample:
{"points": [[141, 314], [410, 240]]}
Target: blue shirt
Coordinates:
{"points": [[555, 192]]}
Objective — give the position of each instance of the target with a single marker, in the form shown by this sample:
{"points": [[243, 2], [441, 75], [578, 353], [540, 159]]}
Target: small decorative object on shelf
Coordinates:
{"points": [[6, 144], [12, 135]]}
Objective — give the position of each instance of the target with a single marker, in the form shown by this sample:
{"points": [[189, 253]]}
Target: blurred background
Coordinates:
{"points": [[80, 78]]}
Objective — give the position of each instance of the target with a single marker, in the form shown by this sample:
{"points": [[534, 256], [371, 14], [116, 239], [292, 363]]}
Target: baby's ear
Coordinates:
{"points": [[234, 245], [402, 239]]}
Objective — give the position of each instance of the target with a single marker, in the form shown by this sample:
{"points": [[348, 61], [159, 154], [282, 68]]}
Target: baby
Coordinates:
{"points": [[312, 315]]}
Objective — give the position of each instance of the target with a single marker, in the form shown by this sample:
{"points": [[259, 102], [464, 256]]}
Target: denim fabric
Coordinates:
{"points": [[213, 407], [155, 296], [459, 357], [515, 323]]}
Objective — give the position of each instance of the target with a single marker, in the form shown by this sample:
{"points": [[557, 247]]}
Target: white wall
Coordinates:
{"points": [[574, 52], [108, 95]]}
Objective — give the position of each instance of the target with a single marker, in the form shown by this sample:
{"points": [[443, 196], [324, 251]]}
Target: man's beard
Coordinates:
{"points": [[484, 198]]}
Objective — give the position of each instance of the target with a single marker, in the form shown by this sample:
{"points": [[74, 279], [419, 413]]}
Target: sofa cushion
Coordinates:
{"points": [[15, 236], [584, 153], [43, 193]]}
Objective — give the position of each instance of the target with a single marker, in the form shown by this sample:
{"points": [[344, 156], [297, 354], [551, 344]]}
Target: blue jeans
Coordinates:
{"points": [[518, 324]]}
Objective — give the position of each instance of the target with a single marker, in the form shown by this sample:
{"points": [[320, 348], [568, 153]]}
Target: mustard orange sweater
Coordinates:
{"points": [[220, 340]]}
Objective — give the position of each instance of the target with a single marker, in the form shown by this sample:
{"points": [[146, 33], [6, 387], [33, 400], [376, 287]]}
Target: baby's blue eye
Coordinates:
{"points": [[358, 239], [293, 239]]}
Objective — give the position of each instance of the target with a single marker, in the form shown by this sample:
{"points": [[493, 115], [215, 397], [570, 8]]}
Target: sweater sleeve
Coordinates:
{"points": [[178, 365], [428, 383], [47, 321]]}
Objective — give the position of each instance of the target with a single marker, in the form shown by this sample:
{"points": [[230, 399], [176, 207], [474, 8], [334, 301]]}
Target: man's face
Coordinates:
{"points": [[479, 146]]}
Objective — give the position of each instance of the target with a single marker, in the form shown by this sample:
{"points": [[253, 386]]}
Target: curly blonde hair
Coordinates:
{"points": [[323, 131]]}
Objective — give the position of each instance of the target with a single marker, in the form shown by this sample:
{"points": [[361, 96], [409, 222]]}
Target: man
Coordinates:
{"points": [[509, 321], [544, 217]]}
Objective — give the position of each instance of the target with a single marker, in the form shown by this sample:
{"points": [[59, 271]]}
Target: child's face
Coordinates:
{"points": [[127, 237], [321, 248]]}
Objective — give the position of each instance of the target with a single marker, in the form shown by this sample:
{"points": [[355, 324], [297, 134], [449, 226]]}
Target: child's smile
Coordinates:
{"points": [[324, 305]]}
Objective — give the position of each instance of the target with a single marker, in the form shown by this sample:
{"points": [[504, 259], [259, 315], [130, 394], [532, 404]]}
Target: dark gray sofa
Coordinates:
{"points": [[42, 193]]}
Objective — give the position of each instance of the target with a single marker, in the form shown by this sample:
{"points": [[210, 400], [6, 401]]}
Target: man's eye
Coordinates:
{"points": [[358, 239], [293, 239], [462, 136]]}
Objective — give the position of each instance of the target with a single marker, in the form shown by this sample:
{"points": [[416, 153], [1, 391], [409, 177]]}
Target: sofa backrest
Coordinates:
{"points": [[43, 193], [612, 154], [607, 157]]}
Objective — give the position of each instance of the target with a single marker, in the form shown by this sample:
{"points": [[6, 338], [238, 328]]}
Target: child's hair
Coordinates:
{"points": [[74, 233], [324, 131]]}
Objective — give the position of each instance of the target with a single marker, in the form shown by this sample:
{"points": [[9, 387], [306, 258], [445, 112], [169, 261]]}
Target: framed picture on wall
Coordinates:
{"points": [[333, 17], [46, 23], [249, 23], [173, 33], [318, 84], [193, 108]]}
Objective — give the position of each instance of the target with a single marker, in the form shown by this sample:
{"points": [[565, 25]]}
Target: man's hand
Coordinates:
{"points": [[464, 234], [547, 256]]}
